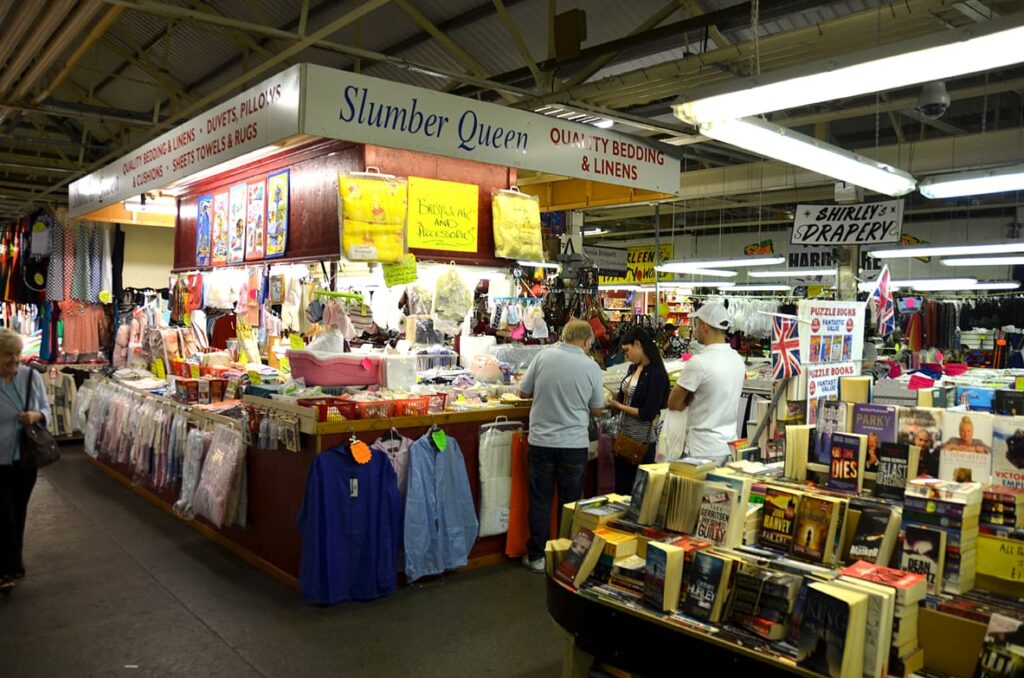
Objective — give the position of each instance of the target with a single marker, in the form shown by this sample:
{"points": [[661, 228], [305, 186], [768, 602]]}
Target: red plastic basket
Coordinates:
{"points": [[330, 408], [375, 409], [437, 402], [412, 407]]}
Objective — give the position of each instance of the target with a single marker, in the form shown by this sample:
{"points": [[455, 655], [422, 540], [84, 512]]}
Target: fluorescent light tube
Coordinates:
{"points": [[726, 263], [619, 288], [948, 250], [793, 273], [595, 231], [978, 182], [694, 270], [539, 264], [985, 261], [1008, 285], [672, 284], [760, 288], [775, 141], [151, 206], [939, 56], [940, 284]]}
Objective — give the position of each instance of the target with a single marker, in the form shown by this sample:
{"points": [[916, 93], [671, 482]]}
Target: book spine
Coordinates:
{"points": [[942, 494], [934, 507], [954, 536], [936, 519]]}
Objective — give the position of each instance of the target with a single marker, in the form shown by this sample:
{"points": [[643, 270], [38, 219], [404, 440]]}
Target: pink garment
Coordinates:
{"points": [[918, 382], [81, 327]]}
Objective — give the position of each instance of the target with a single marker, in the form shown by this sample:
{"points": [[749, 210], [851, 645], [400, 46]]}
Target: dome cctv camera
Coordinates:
{"points": [[934, 100]]}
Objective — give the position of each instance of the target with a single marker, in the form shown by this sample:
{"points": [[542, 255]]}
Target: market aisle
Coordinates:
{"points": [[115, 583]]}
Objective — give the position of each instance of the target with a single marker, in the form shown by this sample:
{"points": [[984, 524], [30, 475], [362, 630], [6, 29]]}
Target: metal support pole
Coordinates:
{"points": [[657, 260]]}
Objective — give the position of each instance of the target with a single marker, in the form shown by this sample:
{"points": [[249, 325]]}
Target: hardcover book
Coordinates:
{"points": [[880, 424], [966, 447], [924, 553], [1008, 451], [833, 417], [847, 462], [895, 461], [922, 426], [910, 588], [779, 520]]}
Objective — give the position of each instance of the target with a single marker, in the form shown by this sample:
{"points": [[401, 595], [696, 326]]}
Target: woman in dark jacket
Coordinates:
{"points": [[641, 397]]}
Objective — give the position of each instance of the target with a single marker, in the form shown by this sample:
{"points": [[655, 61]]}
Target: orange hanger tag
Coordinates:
{"points": [[360, 451]]}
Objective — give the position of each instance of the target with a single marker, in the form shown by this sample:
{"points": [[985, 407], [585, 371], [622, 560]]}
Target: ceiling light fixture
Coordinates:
{"points": [[675, 264], [793, 273], [924, 284], [1008, 285], [939, 56], [619, 288], [695, 270], [760, 288], [948, 250], [674, 284], [977, 182], [539, 264], [985, 261], [151, 206], [595, 231], [774, 141]]}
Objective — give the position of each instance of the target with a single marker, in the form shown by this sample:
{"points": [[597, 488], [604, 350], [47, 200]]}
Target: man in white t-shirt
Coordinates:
{"points": [[710, 386]]}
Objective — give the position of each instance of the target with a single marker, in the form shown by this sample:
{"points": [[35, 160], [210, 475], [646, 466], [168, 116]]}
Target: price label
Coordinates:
{"points": [[295, 341], [158, 369], [254, 377], [440, 439], [194, 371]]}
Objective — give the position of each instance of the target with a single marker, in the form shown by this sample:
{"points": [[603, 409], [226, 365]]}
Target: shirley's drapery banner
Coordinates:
{"points": [[861, 224]]}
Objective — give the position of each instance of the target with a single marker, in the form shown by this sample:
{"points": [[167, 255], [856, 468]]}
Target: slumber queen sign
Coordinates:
{"points": [[355, 107]]}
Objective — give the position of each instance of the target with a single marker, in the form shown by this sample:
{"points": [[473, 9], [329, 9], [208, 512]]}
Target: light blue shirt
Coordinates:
{"points": [[440, 519], [565, 384], [12, 399]]}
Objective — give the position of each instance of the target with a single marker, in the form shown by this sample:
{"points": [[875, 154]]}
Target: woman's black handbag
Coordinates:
{"points": [[38, 448]]}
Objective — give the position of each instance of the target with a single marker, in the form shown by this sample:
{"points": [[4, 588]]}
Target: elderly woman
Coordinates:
{"points": [[16, 479]]}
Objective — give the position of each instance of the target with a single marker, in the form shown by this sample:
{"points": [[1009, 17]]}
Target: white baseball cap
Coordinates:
{"points": [[715, 315]]}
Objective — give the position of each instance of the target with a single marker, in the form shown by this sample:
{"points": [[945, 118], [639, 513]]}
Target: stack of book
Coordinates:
{"points": [[617, 546], [940, 528], [579, 562], [628, 575], [645, 500], [876, 535], [763, 600], [752, 527], [691, 546], [596, 517], [1002, 507], [905, 655], [709, 584]]}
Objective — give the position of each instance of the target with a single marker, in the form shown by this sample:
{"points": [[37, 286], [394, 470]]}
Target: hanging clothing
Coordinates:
{"points": [[81, 269], [69, 259], [81, 327], [440, 518], [396, 449], [351, 529], [95, 265]]}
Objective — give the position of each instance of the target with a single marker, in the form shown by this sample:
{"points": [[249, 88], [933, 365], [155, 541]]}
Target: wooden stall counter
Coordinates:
{"points": [[277, 485]]}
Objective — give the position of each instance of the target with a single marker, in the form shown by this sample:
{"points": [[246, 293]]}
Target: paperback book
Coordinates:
{"points": [[880, 423], [924, 553], [779, 520], [1008, 451], [922, 427], [833, 417], [895, 461], [847, 462]]}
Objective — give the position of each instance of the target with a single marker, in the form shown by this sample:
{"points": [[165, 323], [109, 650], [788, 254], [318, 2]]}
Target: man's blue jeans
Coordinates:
{"points": [[548, 465]]}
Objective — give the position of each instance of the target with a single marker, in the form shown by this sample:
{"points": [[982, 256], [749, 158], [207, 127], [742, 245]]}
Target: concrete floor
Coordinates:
{"points": [[117, 587]]}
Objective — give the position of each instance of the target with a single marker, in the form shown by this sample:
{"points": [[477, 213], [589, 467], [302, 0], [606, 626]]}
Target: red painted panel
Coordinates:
{"points": [[313, 227]]}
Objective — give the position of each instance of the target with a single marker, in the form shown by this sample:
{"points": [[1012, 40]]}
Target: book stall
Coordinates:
{"points": [[864, 528], [352, 303]]}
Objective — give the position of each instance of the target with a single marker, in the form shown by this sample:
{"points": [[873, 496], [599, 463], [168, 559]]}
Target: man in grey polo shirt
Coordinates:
{"points": [[565, 384]]}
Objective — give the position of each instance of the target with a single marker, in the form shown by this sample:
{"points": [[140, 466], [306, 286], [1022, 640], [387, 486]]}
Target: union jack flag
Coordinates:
{"points": [[785, 348], [885, 305]]}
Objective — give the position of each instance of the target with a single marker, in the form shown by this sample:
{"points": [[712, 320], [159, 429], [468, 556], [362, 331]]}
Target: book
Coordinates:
{"points": [[966, 454], [682, 503], [817, 528], [1009, 402], [629, 573], [895, 461], [924, 553], [878, 627], [598, 516], [570, 509], [741, 484], [799, 446], [1002, 651], [833, 417], [847, 462], [581, 559], [647, 491], [875, 537], [910, 588], [880, 423], [663, 575], [855, 389], [1008, 451], [707, 586], [554, 552], [779, 518], [947, 509], [939, 396], [692, 467], [931, 488], [769, 629], [976, 398], [832, 636], [962, 523], [715, 521], [922, 426]]}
